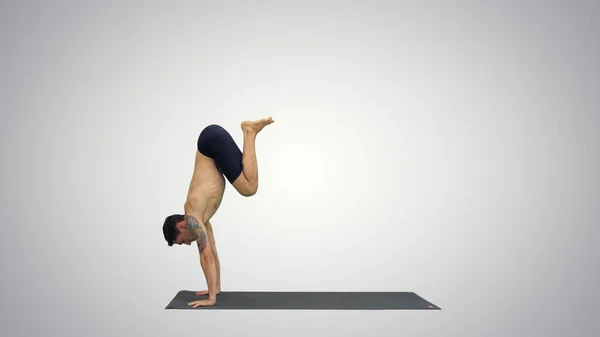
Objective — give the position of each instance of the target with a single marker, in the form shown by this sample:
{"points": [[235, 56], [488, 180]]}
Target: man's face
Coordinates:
{"points": [[184, 237]]}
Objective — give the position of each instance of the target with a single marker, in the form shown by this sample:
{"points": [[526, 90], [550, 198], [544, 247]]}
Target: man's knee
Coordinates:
{"points": [[245, 187], [249, 190]]}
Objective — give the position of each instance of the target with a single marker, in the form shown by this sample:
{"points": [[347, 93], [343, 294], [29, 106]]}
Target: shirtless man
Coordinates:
{"points": [[217, 157]]}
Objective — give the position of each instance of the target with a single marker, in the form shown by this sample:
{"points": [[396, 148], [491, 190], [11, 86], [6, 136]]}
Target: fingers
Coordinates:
{"points": [[196, 304]]}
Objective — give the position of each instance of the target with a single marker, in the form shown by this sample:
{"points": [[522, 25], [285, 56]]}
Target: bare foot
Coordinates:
{"points": [[257, 125]]}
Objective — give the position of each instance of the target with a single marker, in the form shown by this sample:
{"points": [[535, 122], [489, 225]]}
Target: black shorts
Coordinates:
{"points": [[215, 142]]}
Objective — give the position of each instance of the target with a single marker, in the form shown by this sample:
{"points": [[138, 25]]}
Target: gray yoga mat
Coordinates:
{"points": [[274, 300]]}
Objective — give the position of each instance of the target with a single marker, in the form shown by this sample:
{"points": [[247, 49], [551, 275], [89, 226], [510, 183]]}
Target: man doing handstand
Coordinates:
{"points": [[217, 157]]}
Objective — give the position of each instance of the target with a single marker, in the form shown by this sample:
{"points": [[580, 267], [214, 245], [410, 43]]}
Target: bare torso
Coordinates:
{"points": [[206, 189]]}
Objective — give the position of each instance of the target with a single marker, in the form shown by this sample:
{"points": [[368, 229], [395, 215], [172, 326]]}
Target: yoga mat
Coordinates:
{"points": [[274, 300]]}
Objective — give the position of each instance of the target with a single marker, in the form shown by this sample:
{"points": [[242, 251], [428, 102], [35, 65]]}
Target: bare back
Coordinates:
{"points": [[206, 189]]}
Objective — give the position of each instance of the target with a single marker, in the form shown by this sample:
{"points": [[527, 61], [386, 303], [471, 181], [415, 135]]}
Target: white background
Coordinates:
{"points": [[445, 148]]}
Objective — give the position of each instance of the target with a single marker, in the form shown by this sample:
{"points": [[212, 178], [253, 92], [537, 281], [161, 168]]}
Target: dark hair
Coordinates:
{"points": [[169, 229]]}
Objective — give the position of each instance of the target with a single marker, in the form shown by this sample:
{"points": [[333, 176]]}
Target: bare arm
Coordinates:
{"points": [[213, 246], [207, 259]]}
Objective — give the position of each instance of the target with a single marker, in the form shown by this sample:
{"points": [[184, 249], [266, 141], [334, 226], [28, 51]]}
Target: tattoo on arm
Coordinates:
{"points": [[192, 222], [202, 243], [195, 226]]}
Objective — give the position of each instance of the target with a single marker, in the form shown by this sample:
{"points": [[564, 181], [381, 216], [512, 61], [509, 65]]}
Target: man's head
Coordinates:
{"points": [[176, 230]]}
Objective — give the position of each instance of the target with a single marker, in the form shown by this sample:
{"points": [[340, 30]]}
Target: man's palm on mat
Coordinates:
{"points": [[203, 303], [205, 292]]}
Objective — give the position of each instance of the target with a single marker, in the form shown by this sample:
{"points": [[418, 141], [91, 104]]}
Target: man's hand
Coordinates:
{"points": [[205, 292], [202, 303]]}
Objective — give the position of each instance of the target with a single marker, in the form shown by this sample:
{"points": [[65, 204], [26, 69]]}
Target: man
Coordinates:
{"points": [[217, 157]]}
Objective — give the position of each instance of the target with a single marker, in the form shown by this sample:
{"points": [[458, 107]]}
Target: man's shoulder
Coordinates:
{"points": [[191, 210], [191, 216]]}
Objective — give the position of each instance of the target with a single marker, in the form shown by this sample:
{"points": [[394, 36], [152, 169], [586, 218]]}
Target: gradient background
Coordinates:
{"points": [[445, 148]]}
